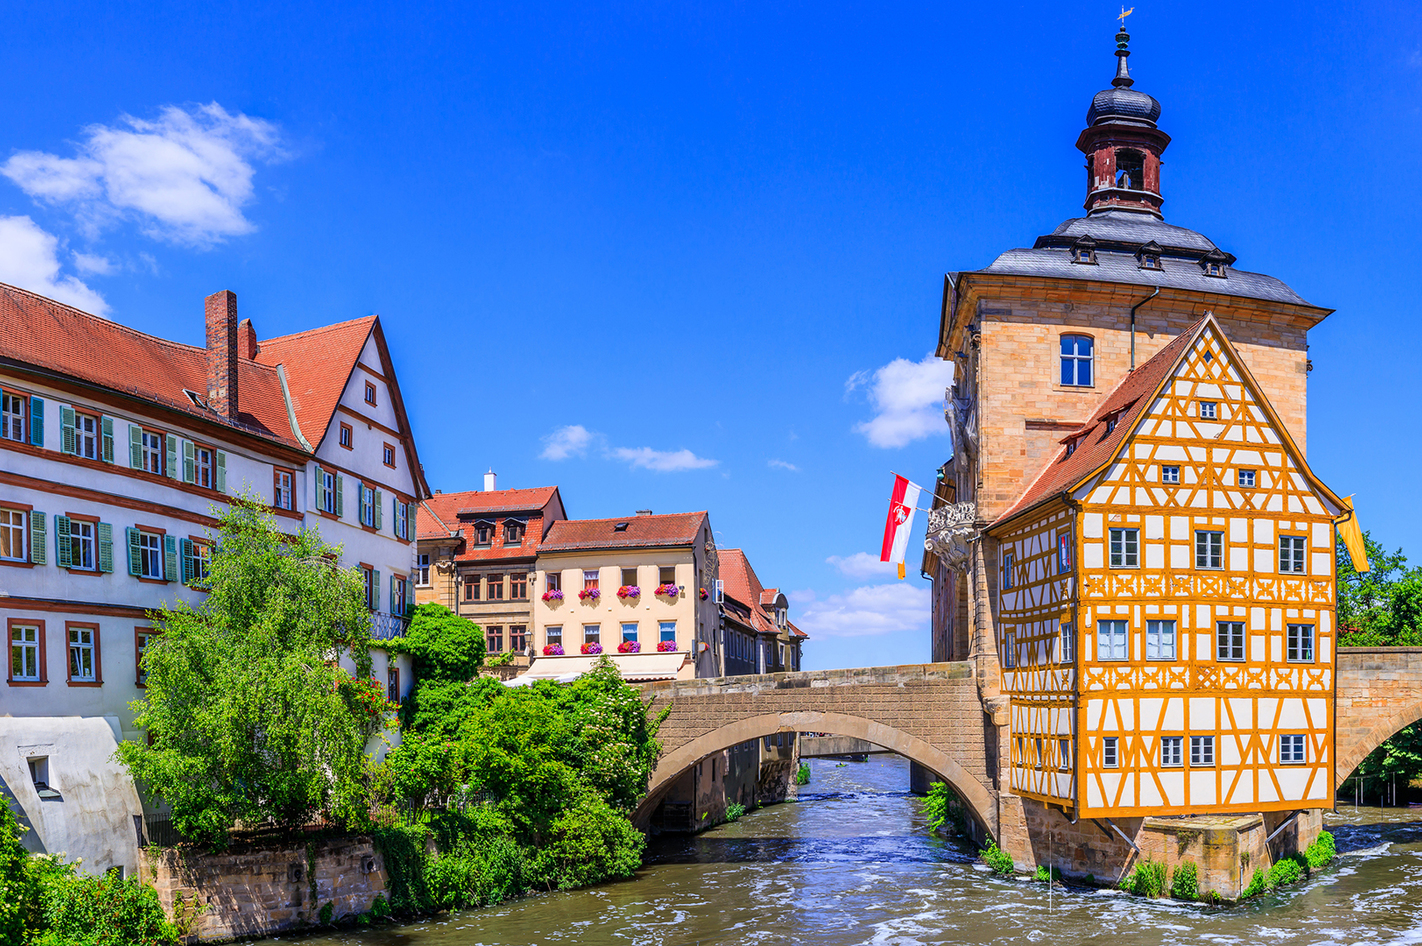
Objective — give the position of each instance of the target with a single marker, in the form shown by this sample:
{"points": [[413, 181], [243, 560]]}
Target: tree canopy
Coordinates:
{"points": [[1383, 607]]}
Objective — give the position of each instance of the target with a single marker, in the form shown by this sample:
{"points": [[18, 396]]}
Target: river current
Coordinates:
{"points": [[851, 862]]}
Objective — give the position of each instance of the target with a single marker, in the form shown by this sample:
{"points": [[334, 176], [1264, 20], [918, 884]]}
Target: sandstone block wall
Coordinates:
{"points": [[1379, 691]]}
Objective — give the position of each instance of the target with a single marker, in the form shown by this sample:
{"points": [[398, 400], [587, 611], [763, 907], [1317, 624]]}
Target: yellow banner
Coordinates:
{"points": [[1352, 536]]}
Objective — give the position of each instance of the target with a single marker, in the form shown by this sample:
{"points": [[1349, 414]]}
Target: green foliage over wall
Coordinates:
{"points": [[1382, 608], [802, 777], [1185, 884], [1147, 880], [19, 890], [943, 807], [1293, 868]]}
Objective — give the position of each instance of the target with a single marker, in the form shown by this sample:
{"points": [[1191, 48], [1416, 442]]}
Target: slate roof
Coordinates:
{"points": [[664, 531]]}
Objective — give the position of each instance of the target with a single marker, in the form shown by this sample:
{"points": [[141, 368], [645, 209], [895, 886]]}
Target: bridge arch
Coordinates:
{"points": [[1378, 691], [1357, 744], [975, 796]]}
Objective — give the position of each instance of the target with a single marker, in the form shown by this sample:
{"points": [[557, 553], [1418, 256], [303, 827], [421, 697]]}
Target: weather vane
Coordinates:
{"points": [[1125, 13]]}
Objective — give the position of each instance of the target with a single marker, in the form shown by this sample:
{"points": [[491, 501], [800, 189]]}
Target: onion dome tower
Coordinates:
{"points": [[1123, 145]]}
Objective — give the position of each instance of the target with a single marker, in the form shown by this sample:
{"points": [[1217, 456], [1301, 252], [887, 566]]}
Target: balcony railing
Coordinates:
{"points": [[384, 627]]}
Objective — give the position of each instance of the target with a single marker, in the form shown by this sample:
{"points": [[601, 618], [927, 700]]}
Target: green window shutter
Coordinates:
{"points": [[360, 503], [39, 541], [106, 547], [409, 596], [170, 558], [66, 426], [135, 446], [172, 466], [187, 550], [64, 553], [106, 427], [135, 554], [379, 499], [317, 503], [189, 461], [340, 498], [37, 421], [400, 520], [392, 595], [221, 472], [375, 590]]}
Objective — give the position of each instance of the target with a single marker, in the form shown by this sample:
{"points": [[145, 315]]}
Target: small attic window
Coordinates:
{"points": [[1149, 256], [1110, 424], [1071, 447], [1084, 251], [620, 527], [1215, 264]]}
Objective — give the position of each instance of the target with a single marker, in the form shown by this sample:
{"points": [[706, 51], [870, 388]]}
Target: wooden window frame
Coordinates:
{"points": [[1110, 752], [139, 632], [1243, 642], [370, 393], [492, 582], [98, 419], [198, 542], [518, 586], [1302, 546], [26, 536], [492, 525], [1174, 639], [1197, 744], [472, 587], [1290, 649], [212, 452], [1179, 744], [372, 587], [162, 435], [1214, 410], [1135, 540], [1298, 739], [392, 684], [514, 525], [1166, 480], [277, 473], [346, 436], [522, 633], [162, 558], [1239, 475], [1067, 647], [10, 626], [1125, 639], [1224, 550], [387, 454], [98, 680], [72, 569], [494, 639], [422, 569], [25, 434]]}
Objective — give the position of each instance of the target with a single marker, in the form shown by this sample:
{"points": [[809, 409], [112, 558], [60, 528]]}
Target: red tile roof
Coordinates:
{"points": [[666, 531], [743, 587], [1095, 447], [443, 513], [318, 365]]}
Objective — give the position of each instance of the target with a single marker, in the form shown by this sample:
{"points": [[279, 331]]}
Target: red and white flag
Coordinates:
{"points": [[900, 522]]}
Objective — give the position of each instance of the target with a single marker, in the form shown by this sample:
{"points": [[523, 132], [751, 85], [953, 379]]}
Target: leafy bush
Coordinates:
{"points": [[942, 807], [19, 889], [442, 645], [998, 859], [1044, 874], [78, 910], [802, 777], [1287, 871], [327, 915], [734, 811], [1258, 884], [1147, 880], [1185, 885], [1321, 852]]}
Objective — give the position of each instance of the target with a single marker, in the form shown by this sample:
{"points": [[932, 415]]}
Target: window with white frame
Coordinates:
{"points": [[281, 489], [590, 579], [1292, 749], [141, 639], [328, 491], [1076, 362], [1160, 640], [1229, 640], [423, 569], [1172, 751], [402, 520], [1170, 474], [1246, 479], [149, 547], [1125, 548], [1202, 750], [86, 436], [1291, 554], [25, 663], [367, 505], [629, 631], [12, 416], [372, 587], [1068, 648], [83, 662], [1110, 752], [1209, 549], [554, 634], [1300, 639], [202, 468], [12, 534], [592, 633], [81, 545], [151, 450], [1208, 410], [1007, 571], [1111, 640], [1063, 552], [666, 631], [399, 595]]}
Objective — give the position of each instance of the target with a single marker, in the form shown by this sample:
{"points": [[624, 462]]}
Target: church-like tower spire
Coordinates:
{"points": [[1122, 144]]}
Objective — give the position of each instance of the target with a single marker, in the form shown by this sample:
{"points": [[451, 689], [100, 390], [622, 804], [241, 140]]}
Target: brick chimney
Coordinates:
{"points": [[247, 339], [222, 353]]}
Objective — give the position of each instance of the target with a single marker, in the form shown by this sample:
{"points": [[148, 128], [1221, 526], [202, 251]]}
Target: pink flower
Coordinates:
{"points": [[592, 648], [629, 591], [553, 650], [666, 647], [629, 647]]}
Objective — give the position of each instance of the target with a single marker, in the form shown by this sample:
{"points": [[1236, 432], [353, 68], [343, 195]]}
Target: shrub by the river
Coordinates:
{"points": [[734, 811], [1321, 852], [1293, 868], [1185, 884], [998, 859], [802, 777], [1147, 880], [943, 807]]}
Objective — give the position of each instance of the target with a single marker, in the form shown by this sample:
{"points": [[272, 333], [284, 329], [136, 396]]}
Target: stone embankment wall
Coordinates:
{"points": [[1378, 690], [260, 891]]}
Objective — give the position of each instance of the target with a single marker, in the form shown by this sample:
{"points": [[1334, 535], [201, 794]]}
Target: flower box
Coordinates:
{"points": [[671, 591], [666, 647], [704, 594], [592, 648], [555, 594], [629, 591], [589, 594], [553, 650], [629, 647]]}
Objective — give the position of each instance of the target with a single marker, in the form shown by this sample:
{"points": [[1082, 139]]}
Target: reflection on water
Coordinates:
{"points": [[851, 863]]}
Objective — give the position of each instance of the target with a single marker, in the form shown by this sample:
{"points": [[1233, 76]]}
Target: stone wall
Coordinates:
{"points": [[263, 890], [1379, 691]]}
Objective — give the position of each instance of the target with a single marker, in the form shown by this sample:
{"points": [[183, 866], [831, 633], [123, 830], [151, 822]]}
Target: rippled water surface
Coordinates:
{"points": [[851, 863]]}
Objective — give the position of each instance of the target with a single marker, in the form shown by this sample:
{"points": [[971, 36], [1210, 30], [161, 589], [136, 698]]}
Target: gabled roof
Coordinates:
{"points": [[441, 513], [747, 596], [318, 365], [639, 532]]}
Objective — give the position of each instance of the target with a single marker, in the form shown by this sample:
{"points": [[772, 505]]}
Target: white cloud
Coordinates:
{"points": [[866, 611], [184, 176], [29, 258], [906, 396], [564, 442], [662, 461], [863, 565], [784, 465], [98, 265]]}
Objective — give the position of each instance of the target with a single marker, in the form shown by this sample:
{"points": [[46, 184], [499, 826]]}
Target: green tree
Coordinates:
{"points": [[1383, 607], [19, 892], [250, 717]]}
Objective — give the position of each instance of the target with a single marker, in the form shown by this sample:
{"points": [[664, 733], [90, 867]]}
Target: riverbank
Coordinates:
{"points": [[851, 862]]}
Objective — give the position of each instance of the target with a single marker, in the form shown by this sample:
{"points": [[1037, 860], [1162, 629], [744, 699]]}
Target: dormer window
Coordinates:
{"points": [[1215, 264], [1110, 425], [484, 532], [1071, 447], [1149, 256], [1084, 251]]}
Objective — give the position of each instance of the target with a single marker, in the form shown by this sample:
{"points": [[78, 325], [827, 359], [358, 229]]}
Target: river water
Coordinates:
{"points": [[852, 863]]}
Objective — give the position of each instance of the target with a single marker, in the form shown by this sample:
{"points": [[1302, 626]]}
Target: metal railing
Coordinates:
{"points": [[384, 627]]}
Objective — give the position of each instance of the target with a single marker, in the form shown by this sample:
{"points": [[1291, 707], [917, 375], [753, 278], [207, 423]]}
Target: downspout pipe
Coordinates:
{"points": [[1153, 293]]}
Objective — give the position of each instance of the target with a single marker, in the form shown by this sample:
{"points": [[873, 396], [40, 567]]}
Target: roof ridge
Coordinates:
{"points": [[316, 331], [100, 320], [660, 515]]}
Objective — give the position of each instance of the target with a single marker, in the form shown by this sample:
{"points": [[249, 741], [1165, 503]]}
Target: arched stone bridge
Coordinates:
{"points": [[933, 714]]}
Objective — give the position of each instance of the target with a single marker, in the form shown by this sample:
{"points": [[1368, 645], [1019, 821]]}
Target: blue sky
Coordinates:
{"points": [[690, 256]]}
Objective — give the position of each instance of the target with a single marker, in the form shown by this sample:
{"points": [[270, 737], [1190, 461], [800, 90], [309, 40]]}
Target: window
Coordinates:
{"points": [[367, 505], [392, 684], [1111, 423], [1291, 749], [1150, 261], [1009, 651], [86, 436], [495, 640], [592, 633], [328, 491], [150, 452], [1021, 751], [147, 549], [12, 535], [1246, 479], [1291, 554], [142, 637], [1300, 643], [1071, 447], [1172, 750], [83, 654], [1214, 268], [12, 416], [1076, 360], [554, 633], [518, 638], [197, 557], [1063, 553], [518, 587], [629, 577], [1170, 474], [347, 436], [666, 631], [281, 489], [1038, 747], [496, 588], [1125, 548], [1068, 649], [370, 578], [422, 569], [1111, 640], [1006, 571], [399, 595], [402, 520], [629, 631], [471, 588], [589, 579], [1208, 410], [1130, 169], [513, 531], [484, 532], [1209, 549], [1110, 756], [387, 455], [1229, 640], [1202, 750], [1063, 754], [26, 653], [666, 575], [1160, 640], [202, 468], [80, 545], [553, 581], [369, 393]]}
